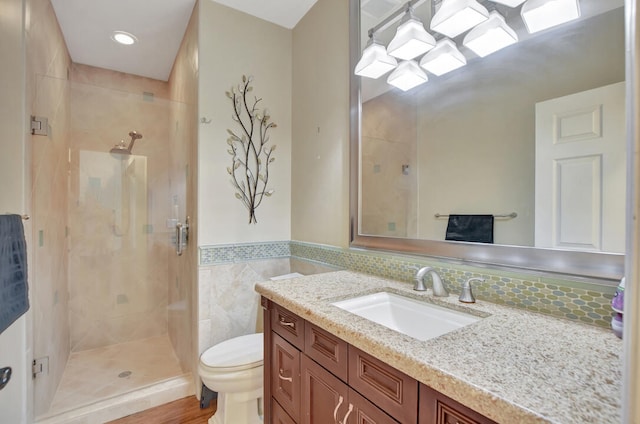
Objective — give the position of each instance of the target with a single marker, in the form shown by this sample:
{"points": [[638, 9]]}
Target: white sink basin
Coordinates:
{"points": [[414, 318]]}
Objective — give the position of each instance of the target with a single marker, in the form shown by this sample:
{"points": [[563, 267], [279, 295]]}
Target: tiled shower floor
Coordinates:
{"points": [[96, 374]]}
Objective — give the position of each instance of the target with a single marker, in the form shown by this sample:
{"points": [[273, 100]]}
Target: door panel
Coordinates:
{"points": [[581, 171], [285, 376], [325, 399]]}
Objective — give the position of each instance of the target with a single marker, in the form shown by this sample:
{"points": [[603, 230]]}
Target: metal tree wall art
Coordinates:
{"points": [[250, 155]]}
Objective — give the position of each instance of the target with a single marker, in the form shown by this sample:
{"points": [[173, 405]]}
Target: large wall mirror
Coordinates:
{"points": [[533, 134]]}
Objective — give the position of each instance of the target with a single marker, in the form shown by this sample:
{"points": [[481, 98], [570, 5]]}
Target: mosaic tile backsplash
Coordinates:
{"points": [[582, 301]]}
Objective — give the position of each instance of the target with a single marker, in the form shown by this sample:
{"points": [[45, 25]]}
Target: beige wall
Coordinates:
{"points": [[15, 351], [183, 143], [320, 154], [233, 44], [48, 95]]}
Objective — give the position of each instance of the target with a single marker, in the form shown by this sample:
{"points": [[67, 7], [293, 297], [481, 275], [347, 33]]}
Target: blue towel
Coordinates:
{"points": [[14, 292], [474, 228]]}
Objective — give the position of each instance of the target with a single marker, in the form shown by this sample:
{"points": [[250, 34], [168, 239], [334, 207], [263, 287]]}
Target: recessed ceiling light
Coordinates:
{"points": [[123, 38]]}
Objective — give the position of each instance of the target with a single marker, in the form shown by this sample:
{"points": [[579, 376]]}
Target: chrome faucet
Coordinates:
{"points": [[438, 287], [466, 295]]}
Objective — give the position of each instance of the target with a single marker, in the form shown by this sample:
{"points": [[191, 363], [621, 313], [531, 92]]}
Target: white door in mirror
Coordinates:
{"points": [[581, 171]]}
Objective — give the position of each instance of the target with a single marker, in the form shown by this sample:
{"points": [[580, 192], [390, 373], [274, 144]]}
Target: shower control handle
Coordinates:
{"points": [[182, 236]]}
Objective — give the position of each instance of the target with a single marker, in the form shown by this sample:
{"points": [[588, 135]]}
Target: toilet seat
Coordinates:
{"points": [[237, 354]]}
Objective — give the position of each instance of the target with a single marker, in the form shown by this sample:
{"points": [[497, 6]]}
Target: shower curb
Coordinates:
{"points": [[127, 403]]}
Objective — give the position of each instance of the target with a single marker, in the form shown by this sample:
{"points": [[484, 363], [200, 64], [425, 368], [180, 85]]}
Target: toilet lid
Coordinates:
{"points": [[239, 352]]}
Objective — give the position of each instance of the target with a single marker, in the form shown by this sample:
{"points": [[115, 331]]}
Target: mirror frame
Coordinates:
{"points": [[592, 265]]}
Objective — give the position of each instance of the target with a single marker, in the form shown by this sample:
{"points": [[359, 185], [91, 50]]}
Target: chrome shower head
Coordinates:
{"points": [[122, 149]]}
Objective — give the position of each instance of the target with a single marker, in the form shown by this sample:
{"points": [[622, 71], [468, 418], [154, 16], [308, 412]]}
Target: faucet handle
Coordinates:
{"points": [[466, 295]]}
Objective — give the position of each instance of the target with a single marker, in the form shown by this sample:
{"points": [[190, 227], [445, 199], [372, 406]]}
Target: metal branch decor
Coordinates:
{"points": [[250, 155]]}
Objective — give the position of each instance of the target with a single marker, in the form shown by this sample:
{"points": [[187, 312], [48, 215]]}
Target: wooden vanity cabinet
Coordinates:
{"points": [[314, 377], [436, 408], [306, 379]]}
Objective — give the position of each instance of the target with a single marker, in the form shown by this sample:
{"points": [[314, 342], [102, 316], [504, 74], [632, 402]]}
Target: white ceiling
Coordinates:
{"points": [[159, 25]]}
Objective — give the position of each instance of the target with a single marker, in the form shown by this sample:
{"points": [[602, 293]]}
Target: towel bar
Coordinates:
{"points": [[23, 216], [506, 215]]}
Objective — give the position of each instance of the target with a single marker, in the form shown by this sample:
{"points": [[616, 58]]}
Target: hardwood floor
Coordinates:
{"points": [[182, 411]]}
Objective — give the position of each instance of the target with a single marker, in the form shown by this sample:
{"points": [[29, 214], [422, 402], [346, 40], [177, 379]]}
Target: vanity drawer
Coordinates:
{"points": [[327, 350], [288, 325], [285, 376], [436, 408], [392, 391]]}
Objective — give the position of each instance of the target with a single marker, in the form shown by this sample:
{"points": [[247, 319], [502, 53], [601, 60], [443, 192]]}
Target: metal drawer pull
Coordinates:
{"points": [[286, 323], [335, 411], [346, 417], [281, 377]]}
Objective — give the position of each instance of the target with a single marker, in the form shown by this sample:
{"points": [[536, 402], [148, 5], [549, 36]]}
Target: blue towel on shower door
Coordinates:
{"points": [[14, 292]]}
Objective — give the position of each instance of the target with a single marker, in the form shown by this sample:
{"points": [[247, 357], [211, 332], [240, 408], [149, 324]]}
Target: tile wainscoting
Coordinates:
{"points": [[561, 296]]}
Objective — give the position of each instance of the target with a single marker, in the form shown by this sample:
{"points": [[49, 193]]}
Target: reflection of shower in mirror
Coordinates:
{"points": [[122, 149]]}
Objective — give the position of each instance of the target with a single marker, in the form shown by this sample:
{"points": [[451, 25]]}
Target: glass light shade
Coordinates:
{"points": [[510, 3], [375, 61], [407, 75], [445, 57], [457, 16], [490, 36], [411, 39], [542, 14]]}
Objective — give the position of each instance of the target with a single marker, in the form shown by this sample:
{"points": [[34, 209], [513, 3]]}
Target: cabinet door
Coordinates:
{"points": [[325, 399], [285, 375], [364, 412], [278, 415], [436, 408]]}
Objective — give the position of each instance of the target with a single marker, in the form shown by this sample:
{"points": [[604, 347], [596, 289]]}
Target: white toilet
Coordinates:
{"points": [[234, 369]]}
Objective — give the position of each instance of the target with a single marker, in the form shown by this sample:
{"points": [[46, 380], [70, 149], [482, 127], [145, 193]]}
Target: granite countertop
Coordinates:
{"points": [[512, 366]]}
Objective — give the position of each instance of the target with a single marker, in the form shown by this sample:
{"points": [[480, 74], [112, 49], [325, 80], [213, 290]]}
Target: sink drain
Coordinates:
{"points": [[124, 374]]}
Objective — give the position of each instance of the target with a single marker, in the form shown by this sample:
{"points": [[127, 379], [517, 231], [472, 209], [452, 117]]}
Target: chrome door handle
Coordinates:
{"points": [[179, 232], [182, 236]]}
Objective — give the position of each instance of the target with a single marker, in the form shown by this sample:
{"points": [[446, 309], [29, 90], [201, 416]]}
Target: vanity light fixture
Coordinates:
{"points": [[411, 39], [375, 61], [125, 38], [457, 16], [407, 75], [443, 58], [542, 14], [490, 36]]}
